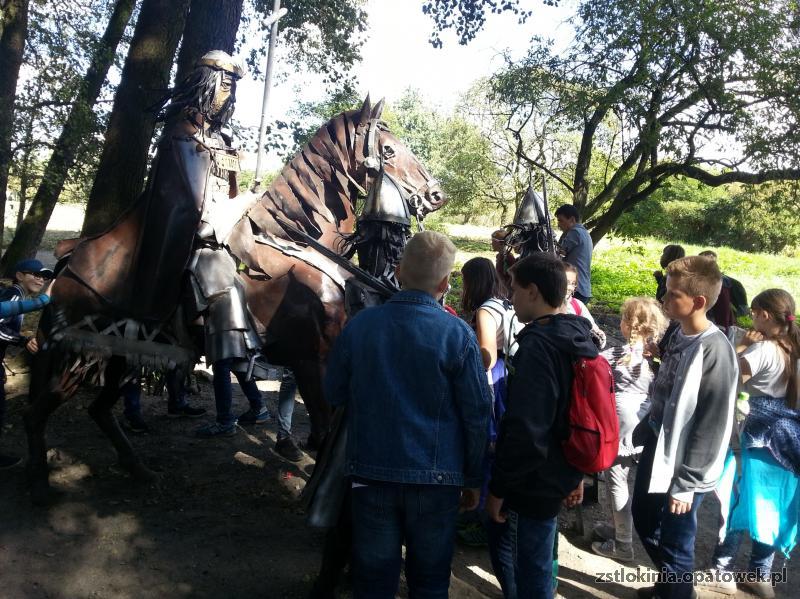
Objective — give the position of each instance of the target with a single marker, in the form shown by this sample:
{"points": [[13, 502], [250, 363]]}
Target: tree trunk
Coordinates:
{"points": [[25, 172], [145, 77], [12, 46], [29, 234], [211, 25]]}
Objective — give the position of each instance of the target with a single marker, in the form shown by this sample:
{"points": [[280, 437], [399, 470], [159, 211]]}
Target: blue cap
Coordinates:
{"points": [[33, 265]]}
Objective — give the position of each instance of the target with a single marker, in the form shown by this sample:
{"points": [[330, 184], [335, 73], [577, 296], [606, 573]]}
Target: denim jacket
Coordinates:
{"points": [[417, 396]]}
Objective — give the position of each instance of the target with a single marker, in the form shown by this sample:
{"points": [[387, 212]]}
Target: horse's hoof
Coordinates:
{"points": [[140, 472]]}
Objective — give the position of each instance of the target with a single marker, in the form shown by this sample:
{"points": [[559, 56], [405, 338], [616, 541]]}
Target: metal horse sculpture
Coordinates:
{"points": [[294, 293]]}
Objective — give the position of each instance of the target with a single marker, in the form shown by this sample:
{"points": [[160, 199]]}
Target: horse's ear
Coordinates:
{"points": [[378, 109], [366, 111]]}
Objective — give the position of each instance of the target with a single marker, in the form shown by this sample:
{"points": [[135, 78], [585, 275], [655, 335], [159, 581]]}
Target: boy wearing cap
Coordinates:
{"points": [[29, 279]]}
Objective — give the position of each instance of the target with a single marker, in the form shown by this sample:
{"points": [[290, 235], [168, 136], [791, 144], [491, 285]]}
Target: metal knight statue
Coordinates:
{"points": [[531, 230], [175, 252]]}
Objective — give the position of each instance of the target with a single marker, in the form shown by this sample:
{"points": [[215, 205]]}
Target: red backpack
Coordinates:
{"points": [[593, 439]]}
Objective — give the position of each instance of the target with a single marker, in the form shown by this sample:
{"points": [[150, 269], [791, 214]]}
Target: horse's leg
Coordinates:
{"points": [[100, 411], [46, 394], [308, 374]]}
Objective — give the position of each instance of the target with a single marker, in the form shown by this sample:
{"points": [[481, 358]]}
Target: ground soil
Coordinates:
{"points": [[223, 520]]}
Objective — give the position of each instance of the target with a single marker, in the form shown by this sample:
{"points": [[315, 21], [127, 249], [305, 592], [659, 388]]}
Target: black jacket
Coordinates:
{"points": [[530, 471]]}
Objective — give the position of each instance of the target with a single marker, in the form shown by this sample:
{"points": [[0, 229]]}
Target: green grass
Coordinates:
{"points": [[622, 268]]}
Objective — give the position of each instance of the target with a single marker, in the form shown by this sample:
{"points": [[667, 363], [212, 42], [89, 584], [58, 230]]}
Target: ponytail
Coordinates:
{"points": [[793, 352]]}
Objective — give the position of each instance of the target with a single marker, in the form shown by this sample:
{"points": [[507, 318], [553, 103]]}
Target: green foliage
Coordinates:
{"points": [[453, 149], [308, 117], [621, 272], [749, 218], [60, 42], [652, 84], [321, 37], [761, 219], [467, 17]]}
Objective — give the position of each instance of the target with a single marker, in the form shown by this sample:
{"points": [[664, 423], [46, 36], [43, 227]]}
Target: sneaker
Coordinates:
{"points": [[612, 549], [288, 449], [215, 429], [711, 581], [474, 535], [603, 531], [762, 588], [185, 411], [251, 417], [136, 425], [9, 461]]}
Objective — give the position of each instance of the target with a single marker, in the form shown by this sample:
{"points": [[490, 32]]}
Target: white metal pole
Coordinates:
{"points": [[276, 14]]}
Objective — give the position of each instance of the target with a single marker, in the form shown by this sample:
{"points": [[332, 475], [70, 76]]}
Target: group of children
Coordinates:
{"points": [[676, 387]]}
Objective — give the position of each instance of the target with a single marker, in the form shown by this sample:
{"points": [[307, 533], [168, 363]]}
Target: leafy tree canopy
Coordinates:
{"points": [[704, 89], [324, 37], [468, 17]]}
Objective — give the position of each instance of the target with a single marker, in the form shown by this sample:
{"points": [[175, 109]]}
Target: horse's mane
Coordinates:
{"points": [[314, 189]]}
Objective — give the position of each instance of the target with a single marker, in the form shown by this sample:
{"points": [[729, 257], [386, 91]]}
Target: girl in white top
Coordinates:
{"points": [[572, 305], [764, 503], [642, 322]]}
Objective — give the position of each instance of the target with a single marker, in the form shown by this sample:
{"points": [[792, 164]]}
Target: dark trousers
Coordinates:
{"points": [[2, 398], [132, 395], [223, 392], [523, 552], [667, 538], [761, 555], [387, 515]]}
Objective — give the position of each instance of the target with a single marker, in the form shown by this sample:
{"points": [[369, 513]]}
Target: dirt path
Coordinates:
{"points": [[222, 522]]}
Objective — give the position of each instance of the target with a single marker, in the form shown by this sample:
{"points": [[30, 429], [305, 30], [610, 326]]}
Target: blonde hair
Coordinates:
{"points": [[644, 317], [696, 276], [427, 259]]}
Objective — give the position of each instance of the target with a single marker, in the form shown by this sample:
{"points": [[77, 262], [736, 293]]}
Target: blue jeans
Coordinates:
{"points": [[132, 399], [385, 515], [502, 555], [761, 554], [2, 397], [668, 538], [531, 543], [132, 395], [286, 395], [223, 392]]}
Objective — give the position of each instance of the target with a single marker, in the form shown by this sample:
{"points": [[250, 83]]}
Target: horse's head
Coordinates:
{"points": [[383, 160]]}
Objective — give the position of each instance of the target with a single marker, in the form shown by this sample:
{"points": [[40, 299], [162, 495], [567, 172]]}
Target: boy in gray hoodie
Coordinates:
{"points": [[687, 430]]}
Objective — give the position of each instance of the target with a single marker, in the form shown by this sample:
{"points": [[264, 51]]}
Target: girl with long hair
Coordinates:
{"points": [[766, 503], [484, 302]]}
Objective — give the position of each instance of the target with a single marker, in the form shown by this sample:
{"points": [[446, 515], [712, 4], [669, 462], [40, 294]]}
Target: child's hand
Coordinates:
{"points": [[575, 497], [470, 498], [494, 507], [750, 337], [651, 349], [679, 507]]}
